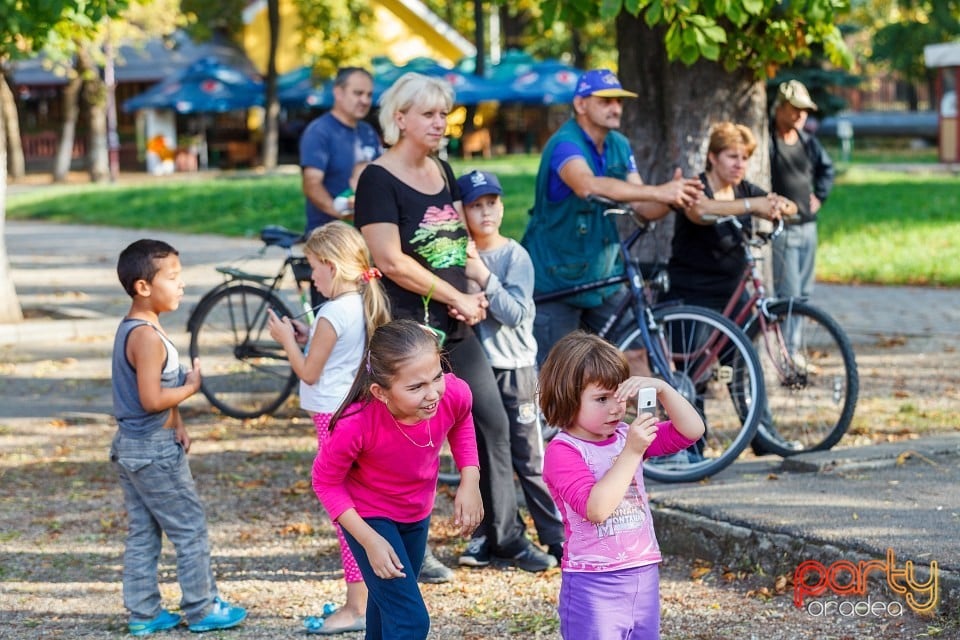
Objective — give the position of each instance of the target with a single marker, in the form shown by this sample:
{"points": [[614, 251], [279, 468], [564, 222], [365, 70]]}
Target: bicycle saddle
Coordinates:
{"points": [[275, 235]]}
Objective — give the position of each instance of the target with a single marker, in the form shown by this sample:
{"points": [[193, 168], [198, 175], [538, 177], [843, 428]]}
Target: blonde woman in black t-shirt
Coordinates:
{"points": [[408, 209]]}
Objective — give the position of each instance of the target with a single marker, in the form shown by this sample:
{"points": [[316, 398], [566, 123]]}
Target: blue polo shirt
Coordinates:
{"points": [[557, 189], [334, 148]]}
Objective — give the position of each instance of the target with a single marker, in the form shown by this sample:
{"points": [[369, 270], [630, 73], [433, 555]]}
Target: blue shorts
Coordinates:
{"points": [[612, 605]]}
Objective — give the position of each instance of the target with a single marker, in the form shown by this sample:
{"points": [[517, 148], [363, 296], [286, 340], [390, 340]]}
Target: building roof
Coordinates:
{"points": [[946, 54], [155, 60]]}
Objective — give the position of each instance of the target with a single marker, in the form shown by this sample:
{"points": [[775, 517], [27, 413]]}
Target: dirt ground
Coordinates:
{"points": [[62, 522]]}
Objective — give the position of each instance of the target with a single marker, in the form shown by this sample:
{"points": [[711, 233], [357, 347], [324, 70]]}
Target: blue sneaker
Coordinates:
{"points": [[221, 616], [163, 621]]}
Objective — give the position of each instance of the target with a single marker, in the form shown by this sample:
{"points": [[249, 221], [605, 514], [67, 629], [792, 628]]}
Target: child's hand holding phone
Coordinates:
{"points": [[647, 401]]}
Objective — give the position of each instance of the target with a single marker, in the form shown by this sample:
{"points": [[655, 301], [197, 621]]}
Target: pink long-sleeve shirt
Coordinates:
{"points": [[369, 465], [571, 468]]}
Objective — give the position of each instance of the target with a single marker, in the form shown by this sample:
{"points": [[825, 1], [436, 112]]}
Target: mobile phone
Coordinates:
{"points": [[647, 400]]}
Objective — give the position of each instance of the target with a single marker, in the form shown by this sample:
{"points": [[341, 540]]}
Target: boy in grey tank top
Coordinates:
{"points": [[149, 453]]}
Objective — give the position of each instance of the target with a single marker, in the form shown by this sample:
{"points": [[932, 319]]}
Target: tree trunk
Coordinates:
{"points": [[10, 310], [669, 124], [95, 97], [512, 23], [271, 122], [71, 112], [16, 166]]}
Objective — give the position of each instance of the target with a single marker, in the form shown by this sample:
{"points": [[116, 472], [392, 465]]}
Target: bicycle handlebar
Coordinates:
{"points": [[735, 221], [613, 207]]}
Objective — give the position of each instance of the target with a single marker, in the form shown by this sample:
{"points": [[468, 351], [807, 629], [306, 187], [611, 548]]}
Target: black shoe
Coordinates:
{"points": [[477, 553], [532, 558], [433, 571], [556, 550]]}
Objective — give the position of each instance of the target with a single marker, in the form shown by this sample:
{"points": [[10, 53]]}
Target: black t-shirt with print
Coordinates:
{"points": [[431, 232], [707, 261]]}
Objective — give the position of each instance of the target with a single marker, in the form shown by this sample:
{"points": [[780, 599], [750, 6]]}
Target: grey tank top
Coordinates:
{"points": [[132, 418]]}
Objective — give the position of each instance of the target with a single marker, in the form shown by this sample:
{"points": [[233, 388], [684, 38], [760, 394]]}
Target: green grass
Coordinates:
{"points": [[878, 226], [891, 228]]}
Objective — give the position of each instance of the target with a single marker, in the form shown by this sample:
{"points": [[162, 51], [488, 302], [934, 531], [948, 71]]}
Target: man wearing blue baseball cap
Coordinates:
{"points": [[569, 239]]}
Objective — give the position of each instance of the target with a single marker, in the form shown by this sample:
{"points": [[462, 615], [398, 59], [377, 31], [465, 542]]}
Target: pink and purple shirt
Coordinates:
{"points": [[571, 468]]}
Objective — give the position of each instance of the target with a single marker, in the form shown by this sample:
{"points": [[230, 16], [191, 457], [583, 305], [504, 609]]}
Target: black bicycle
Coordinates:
{"points": [[246, 373], [702, 354]]}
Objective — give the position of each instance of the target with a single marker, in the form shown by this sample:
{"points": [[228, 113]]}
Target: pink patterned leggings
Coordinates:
{"points": [[351, 572]]}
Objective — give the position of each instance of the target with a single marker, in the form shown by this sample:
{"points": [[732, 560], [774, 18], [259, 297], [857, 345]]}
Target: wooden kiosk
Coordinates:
{"points": [[945, 58]]}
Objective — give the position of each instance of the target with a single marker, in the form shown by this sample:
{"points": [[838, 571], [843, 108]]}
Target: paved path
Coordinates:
{"points": [[850, 503]]}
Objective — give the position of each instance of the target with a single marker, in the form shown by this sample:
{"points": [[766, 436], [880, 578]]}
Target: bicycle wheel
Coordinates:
{"points": [[811, 378], [245, 372], [715, 368]]}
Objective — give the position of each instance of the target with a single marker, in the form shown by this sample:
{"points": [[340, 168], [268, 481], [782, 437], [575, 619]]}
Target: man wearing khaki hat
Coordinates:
{"points": [[570, 241], [802, 172]]}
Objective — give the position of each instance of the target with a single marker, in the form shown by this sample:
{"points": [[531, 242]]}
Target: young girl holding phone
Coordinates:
{"points": [[356, 305], [594, 471]]}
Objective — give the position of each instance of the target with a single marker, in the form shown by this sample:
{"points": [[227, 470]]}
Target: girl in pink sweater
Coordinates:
{"points": [[609, 587], [377, 473]]}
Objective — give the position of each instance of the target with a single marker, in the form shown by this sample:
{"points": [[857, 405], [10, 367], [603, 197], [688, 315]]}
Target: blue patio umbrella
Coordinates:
{"points": [[206, 86], [545, 83], [303, 91], [468, 88]]}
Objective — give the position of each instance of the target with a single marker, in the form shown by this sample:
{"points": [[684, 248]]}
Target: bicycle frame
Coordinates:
{"points": [[757, 299], [643, 312]]}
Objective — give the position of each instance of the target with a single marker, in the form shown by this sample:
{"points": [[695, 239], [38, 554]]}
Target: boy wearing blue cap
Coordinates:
{"points": [[504, 271]]}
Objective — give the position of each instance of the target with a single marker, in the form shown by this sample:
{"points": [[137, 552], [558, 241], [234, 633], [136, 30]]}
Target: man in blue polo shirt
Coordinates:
{"points": [[569, 239], [335, 146]]}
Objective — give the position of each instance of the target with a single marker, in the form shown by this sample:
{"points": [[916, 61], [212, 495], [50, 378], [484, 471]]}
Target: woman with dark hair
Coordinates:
{"points": [[707, 262]]}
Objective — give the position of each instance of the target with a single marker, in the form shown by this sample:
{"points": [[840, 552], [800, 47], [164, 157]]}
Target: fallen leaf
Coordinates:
{"points": [[297, 528], [780, 584], [698, 572]]}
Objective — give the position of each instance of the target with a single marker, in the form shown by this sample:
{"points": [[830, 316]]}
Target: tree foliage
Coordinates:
{"points": [[336, 34], [760, 35], [588, 42], [912, 25], [25, 25], [206, 18]]}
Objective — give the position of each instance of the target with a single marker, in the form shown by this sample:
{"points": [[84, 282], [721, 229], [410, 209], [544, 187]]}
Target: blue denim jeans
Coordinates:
{"points": [[160, 497], [556, 319], [395, 608], [794, 258]]}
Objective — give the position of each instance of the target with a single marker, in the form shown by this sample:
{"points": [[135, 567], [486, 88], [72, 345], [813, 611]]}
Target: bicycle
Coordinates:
{"points": [[702, 354], [809, 365], [246, 373]]}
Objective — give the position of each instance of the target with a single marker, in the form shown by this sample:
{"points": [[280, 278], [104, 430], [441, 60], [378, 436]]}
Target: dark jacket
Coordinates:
{"points": [[823, 172]]}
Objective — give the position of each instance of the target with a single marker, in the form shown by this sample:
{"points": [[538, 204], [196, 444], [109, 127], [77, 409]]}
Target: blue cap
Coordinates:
{"points": [[476, 184], [602, 83]]}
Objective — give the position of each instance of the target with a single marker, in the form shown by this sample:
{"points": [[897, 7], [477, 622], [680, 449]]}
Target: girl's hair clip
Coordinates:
{"points": [[371, 274], [439, 334]]}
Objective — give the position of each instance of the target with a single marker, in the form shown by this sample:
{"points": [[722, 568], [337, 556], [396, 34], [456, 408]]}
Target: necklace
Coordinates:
{"points": [[412, 441]]}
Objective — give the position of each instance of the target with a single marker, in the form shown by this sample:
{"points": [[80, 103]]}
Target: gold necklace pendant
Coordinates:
{"points": [[412, 441]]}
